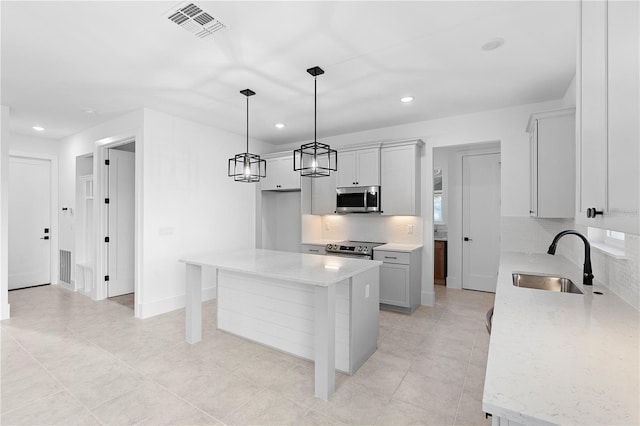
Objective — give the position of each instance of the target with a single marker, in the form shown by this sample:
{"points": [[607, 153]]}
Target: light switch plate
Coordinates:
{"points": [[366, 291], [409, 229]]}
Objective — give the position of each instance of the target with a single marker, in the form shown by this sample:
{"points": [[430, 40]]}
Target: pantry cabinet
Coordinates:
{"points": [[280, 175], [359, 167], [552, 173], [400, 178], [607, 112]]}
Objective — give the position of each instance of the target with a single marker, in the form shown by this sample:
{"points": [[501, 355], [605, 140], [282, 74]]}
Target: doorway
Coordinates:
{"points": [[480, 221], [470, 264], [120, 212], [31, 242]]}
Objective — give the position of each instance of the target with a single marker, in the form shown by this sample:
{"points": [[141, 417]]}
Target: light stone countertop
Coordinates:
{"points": [[289, 266], [398, 247], [558, 358]]}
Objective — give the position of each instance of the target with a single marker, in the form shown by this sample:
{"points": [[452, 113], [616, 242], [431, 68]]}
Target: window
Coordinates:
{"points": [[437, 207], [607, 241]]}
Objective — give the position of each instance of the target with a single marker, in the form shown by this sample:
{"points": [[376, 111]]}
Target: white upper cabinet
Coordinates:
{"points": [[323, 195], [552, 172], [280, 175], [400, 179], [359, 167], [608, 111]]}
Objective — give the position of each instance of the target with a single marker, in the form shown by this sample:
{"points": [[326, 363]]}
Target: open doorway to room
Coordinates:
{"points": [[120, 224], [466, 215]]}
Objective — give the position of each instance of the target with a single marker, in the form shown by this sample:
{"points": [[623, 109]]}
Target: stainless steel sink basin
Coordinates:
{"points": [[545, 282]]}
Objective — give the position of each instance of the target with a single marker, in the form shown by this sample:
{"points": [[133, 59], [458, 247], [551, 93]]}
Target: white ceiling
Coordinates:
{"points": [[117, 56]]}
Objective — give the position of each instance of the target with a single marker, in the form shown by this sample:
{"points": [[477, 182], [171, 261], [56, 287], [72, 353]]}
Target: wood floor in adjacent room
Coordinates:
{"points": [[69, 360]]}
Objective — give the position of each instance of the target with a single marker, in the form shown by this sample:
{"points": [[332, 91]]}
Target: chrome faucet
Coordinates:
{"points": [[587, 273]]}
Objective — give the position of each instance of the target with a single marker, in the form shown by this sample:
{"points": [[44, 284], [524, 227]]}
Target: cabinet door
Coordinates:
{"points": [[368, 167], [270, 182], [439, 262], [394, 285], [623, 109], [289, 179], [280, 175], [593, 148], [346, 174], [323, 195], [399, 181]]}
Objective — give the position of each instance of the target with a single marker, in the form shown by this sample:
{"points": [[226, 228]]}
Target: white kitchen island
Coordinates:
{"points": [[321, 308]]}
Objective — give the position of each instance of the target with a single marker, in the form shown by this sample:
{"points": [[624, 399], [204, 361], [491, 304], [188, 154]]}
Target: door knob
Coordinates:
{"points": [[467, 239]]}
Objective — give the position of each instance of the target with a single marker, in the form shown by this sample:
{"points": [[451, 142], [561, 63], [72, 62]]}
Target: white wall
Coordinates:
{"points": [[506, 126], [190, 206], [4, 213], [34, 145]]}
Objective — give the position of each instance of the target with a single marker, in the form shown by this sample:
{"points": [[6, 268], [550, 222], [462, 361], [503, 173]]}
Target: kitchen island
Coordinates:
{"points": [[321, 308], [560, 358]]}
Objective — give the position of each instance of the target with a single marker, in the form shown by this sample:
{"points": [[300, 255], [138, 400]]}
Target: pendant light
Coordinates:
{"points": [[247, 167], [315, 159]]}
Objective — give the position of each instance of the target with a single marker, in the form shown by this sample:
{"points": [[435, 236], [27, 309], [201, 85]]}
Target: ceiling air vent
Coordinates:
{"points": [[195, 20]]}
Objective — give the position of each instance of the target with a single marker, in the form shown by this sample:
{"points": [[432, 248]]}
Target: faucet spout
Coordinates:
{"points": [[587, 272]]}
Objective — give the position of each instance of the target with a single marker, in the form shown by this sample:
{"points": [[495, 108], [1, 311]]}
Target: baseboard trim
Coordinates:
{"points": [[6, 312], [428, 298], [69, 286], [454, 282], [159, 307]]}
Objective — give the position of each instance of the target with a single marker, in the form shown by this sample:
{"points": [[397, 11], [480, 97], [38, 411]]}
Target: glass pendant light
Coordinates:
{"points": [[247, 167], [315, 159]]}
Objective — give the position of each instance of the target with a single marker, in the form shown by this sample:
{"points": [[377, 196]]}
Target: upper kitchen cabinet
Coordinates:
{"points": [[400, 178], [323, 195], [280, 175], [607, 112], [359, 167], [552, 146]]}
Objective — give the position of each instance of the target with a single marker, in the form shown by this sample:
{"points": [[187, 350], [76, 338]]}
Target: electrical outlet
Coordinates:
{"points": [[326, 225], [409, 229]]}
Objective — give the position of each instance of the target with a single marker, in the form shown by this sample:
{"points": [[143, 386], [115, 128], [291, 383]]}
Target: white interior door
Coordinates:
{"points": [[480, 221], [29, 218], [121, 261]]}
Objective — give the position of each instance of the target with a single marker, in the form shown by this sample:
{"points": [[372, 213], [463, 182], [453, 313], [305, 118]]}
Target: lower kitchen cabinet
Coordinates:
{"points": [[440, 262], [399, 279]]}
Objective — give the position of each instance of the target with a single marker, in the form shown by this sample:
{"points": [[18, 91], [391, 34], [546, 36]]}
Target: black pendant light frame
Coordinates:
{"points": [[247, 167], [315, 159]]}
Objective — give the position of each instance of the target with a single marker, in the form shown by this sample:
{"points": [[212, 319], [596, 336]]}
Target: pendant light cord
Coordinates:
{"points": [[315, 108], [247, 124]]}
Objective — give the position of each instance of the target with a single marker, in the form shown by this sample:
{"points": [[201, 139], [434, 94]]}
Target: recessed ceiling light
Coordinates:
{"points": [[280, 126], [88, 110], [493, 44], [406, 99], [38, 128]]}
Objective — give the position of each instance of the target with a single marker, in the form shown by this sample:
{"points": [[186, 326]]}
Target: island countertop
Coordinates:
{"points": [[289, 266], [559, 358]]}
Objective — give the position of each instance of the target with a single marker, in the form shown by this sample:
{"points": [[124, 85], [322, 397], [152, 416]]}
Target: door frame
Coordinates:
{"points": [[101, 218], [454, 221], [54, 248]]}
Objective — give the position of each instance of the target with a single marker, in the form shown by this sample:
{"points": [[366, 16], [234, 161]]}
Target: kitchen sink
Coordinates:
{"points": [[545, 282]]}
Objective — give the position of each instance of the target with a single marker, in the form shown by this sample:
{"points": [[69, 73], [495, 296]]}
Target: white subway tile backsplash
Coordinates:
{"points": [[531, 235]]}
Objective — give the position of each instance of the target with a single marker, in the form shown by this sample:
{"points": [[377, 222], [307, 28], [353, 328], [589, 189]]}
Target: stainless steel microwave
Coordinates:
{"points": [[360, 199]]}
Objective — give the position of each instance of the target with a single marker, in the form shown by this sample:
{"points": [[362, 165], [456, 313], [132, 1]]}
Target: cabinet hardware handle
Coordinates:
{"points": [[390, 257], [593, 212], [315, 250]]}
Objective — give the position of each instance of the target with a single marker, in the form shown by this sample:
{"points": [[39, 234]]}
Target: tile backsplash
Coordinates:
{"points": [[372, 227], [530, 235]]}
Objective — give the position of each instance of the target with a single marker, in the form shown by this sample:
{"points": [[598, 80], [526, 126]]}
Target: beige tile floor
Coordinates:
{"points": [[69, 360]]}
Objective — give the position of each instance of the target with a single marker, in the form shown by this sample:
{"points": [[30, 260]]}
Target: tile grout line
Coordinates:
{"points": [[466, 374], [50, 374]]}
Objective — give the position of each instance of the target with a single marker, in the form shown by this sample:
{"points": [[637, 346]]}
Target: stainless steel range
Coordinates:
{"points": [[354, 249]]}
